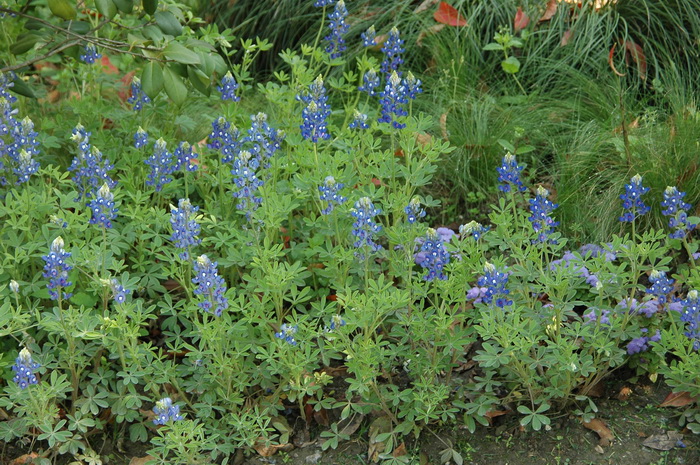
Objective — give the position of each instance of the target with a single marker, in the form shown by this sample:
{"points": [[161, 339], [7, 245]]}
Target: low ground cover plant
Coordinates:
{"points": [[205, 274]]}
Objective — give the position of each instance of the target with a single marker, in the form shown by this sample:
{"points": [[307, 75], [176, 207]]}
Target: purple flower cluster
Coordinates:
{"points": [[359, 121], [676, 208], [336, 322], [247, 183], [102, 207], [185, 156], [166, 411], [690, 315], [24, 369], [185, 227], [90, 169], [369, 36], [495, 283], [434, 255], [338, 28], [392, 100], [542, 222], [632, 201], [56, 269], [90, 55], [138, 96], [648, 308], [262, 141], [600, 316], [392, 49], [364, 227], [412, 86], [509, 174], [316, 113], [329, 193], [161, 163], [569, 259], [228, 88], [641, 344], [18, 140], [286, 333], [323, 3], [661, 286], [414, 211], [210, 286]]}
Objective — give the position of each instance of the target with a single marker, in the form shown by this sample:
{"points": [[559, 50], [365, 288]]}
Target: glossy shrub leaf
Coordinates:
{"points": [[174, 87], [24, 43], [152, 79], [125, 6], [199, 80], [181, 54], [149, 6], [79, 27], [107, 8], [63, 9], [20, 87], [168, 23]]}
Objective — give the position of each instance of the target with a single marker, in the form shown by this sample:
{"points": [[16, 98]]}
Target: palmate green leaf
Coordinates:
{"points": [[152, 79], [181, 54], [174, 86], [107, 8]]}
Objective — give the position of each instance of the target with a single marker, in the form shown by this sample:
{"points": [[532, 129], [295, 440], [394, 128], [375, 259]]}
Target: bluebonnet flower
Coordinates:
{"points": [[369, 36], [60, 222], [661, 285], [225, 139], [690, 315], [138, 96], [412, 86], [329, 193], [601, 316], [542, 222], [21, 146], [247, 182], [476, 294], [392, 100], [185, 156], [56, 269], [140, 138], [569, 259], [413, 210], [495, 283], [166, 411], [446, 234], [14, 286], [323, 3], [210, 286], [316, 112], [647, 308], [90, 169], [119, 292], [26, 167], [102, 207], [336, 322], [509, 174], [641, 344], [228, 88], [338, 28], [435, 256], [594, 250], [6, 81], [364, 227], [632, 201], [676, 208], [474, 229], [185, 227], [162, 163], [24, 369], [359, 121], [392, 49], [371, 82], [286, 333], [90, 55]]}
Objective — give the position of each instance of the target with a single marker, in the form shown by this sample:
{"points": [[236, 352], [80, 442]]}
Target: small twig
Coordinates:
{"points": [[56, 50]]}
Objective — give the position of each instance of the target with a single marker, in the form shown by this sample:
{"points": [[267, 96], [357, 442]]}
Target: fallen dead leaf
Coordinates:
{"points": [[400, 450], [491, 414], [424, 6], [379, 426], [597, 425], [447, 14], [423, 139], [26, 458], [678, 399], [434, 29], [624, 393], [350, 424], [549, 11], [140, 460], [663, 441], [521, 20], [271, 449], [637, 53], [566, 37], [599, 449], [443, 126]]}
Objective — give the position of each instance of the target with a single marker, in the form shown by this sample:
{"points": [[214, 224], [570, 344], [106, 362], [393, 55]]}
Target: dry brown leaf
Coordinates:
{"points": [[566, 37], [271, 449], [610, 61], [491, 414], [431, 30], [400, 450], [521, 20], [597, 425], [424, 6], [447, 14], [350, 424], [443, 126], [624, 394], [678, 399], [379, 425], [663, 441], [26, 458], [549, 11], [423, 138], [140, 460], [637, 54]]}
